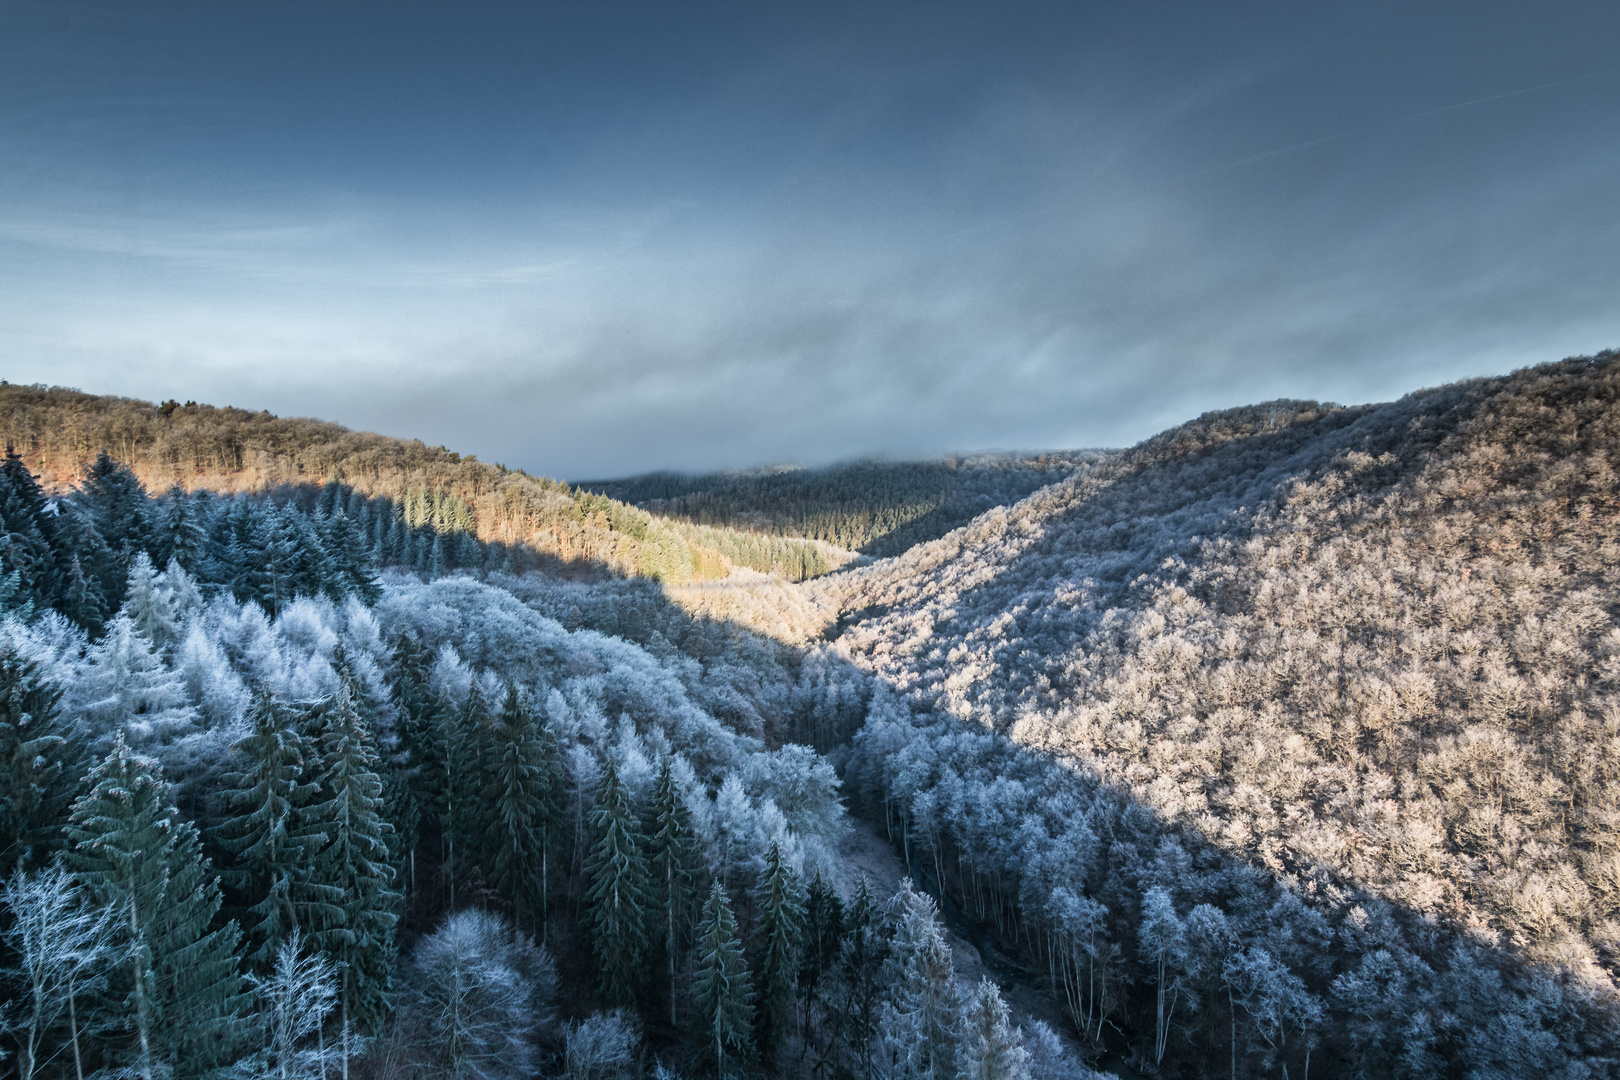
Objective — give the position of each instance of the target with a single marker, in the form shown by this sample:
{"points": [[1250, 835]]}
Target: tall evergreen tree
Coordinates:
{"points": [[177, 994], [823, 944], [675, 861], [352, 570], [39, 766], [919, 1024], [523, 800], [990, 1046], [722, 993], [27, 545], [618, 892], [355, 862], [865, 951], [177, 531], [779, 900], [115, 503], [271, 834]]}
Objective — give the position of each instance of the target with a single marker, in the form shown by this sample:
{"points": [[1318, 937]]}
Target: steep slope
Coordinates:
{"points": [[875, 507], [59, 431], [1368, 647]]}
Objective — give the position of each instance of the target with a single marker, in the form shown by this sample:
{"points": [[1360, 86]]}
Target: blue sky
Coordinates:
{"points": [[595, 239]]}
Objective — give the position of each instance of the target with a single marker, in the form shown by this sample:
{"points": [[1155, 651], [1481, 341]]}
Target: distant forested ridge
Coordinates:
{"points": [[59, 432], [879, 508]]}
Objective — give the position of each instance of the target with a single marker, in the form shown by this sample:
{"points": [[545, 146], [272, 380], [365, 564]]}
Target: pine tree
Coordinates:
{"points": [[675, 861], [919, 1023], [26, 537], [177, 531], [865, 951], [779, 900], [148, 607], [618, 892], [178, 994], [116, 505], [523, 800], [991, 1049], [823, 944], [352, 570], [356, 863], [722, 992], [419, 727], [461, 738], [39, 766], [270, 833]]}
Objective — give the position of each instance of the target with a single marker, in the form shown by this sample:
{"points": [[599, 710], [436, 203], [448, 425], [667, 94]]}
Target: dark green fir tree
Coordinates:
{"points": [[779, 902], [676, 861], [722, 993], [617, 896], [525, 802], [40, 762], [176, 996]]}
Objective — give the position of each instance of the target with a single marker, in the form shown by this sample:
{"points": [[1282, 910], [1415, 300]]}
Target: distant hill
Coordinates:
{"points": [[879, 508], [59, 431]]}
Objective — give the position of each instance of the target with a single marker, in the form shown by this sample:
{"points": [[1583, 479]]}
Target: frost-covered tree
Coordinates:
{"points": [[59, 945], [991, 1048], [919, 1022], [474, 996], [602, 1047], [294, 1001]]}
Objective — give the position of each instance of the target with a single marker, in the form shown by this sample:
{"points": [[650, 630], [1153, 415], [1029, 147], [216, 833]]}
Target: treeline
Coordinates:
{"points": [[876, 507], [59, 432]]}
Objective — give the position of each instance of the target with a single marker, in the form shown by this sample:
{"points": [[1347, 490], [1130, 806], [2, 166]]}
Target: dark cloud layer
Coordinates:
{"points": [[637, 236]]}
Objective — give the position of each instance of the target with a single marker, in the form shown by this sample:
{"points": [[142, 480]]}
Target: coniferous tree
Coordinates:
{"points": [[823, 944], [462, 803], [27, 540], [865, 951], [115, 503], [779, 901], [618, 892], [522, 800], [675, 861], [355, 862], [177, 531], [722, 992], [40, 762], [990, 1045], [352, 569], [419, 727], [272, 836], [177, 993], [148, 607], [919, 1023]]}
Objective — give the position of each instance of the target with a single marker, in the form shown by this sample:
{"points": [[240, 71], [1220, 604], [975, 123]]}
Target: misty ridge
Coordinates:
{"points": [[1283, 743]]}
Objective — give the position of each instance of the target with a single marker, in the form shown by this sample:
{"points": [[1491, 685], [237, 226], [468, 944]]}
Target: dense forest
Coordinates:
{"points": [[227, 450], [1284, 743], [875, 507]]}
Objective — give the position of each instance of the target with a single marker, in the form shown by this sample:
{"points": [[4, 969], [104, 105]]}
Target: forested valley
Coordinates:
{"points": [[1284, 743]]}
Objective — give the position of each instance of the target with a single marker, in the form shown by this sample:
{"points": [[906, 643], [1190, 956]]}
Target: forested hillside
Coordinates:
{"points": [[545, 522], [1306, 717], [875, 507], [1283, 744], [269, 814]]}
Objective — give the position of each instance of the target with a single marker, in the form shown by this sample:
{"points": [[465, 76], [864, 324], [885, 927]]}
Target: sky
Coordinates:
{"points": [[596, 239]]}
